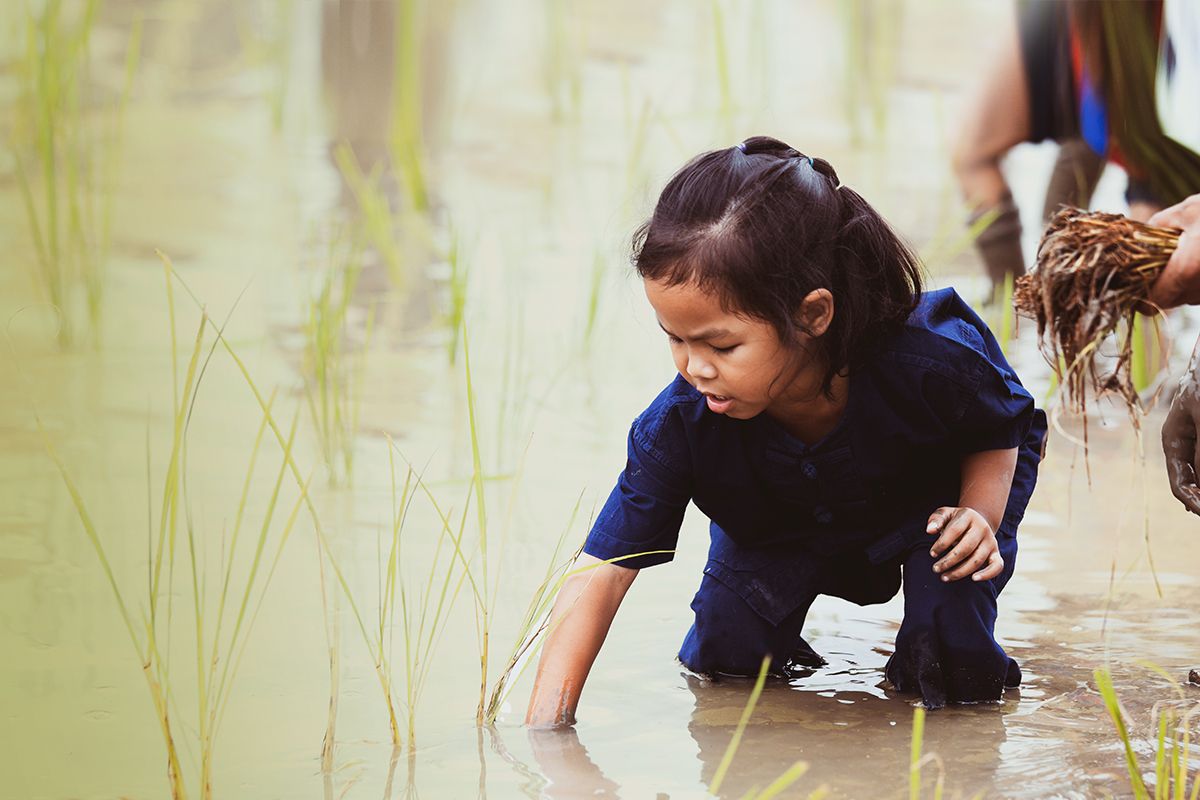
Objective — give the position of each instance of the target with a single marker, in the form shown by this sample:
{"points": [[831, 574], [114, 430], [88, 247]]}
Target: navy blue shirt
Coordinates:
{"points": [[938, 391]]}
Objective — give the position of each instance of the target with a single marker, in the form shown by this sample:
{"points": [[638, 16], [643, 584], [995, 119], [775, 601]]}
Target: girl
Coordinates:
{"points": [[836, 425]]}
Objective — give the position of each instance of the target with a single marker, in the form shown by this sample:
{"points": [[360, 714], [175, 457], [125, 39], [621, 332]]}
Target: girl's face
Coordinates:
{"points": [[738, 362]]}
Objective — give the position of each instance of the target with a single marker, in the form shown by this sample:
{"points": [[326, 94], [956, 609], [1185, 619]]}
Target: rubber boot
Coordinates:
{"points": [[999, 244], [1077, 170]]}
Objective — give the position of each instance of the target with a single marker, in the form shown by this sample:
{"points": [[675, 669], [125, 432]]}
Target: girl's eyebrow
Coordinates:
{"points": [[710, 333]]}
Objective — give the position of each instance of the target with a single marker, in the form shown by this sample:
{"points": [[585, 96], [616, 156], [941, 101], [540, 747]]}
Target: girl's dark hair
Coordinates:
{"points": [[761, 225]]}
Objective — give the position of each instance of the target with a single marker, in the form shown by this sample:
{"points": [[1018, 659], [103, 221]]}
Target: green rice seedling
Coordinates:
{"points": [[726, 107], [1004, 330], [457, 284], [378, 216], [636, 176], [533, 625], [66, 158], [512, 375], [1146, 352], [406, 137], [1138, 368], [1172, 744], [281, 58], [382, 668], [731, 749], [595, 285], [482, 584], [483, 604], [868, 65], [786, 779], [536, 624], [270, 45], [237, 603], [562, 70], [422, 613], [917, 761], [949, 241], [852, 32], [328, 376]]}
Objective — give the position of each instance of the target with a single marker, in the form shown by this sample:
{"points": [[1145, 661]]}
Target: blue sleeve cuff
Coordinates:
{"points": [[625, 554]]}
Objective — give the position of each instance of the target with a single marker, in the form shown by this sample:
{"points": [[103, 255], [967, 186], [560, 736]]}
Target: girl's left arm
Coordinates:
{"points": [[966, 533]]}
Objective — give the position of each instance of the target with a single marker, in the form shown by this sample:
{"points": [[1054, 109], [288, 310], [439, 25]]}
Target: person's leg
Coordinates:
{"points": [[945, 649], [1077, 170], [1026, 96], [729, 637], [997, 120]]}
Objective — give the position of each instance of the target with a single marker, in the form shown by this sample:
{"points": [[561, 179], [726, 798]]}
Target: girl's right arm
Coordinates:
{"points": [[582, 614]]}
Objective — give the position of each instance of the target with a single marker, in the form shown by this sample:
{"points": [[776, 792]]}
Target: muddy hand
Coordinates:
{"points": [[1179, 442], [966, 545]]}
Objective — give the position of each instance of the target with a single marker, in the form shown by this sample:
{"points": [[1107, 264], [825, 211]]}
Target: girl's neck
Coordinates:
{"points": [[808, 413]]}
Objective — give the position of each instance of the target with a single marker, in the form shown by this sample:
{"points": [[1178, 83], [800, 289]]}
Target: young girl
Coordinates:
{"points": [[836, 425]]}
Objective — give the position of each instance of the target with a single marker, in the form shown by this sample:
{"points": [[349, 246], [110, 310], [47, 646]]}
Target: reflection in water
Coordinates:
{"points": [[856, 744], [569, 771], [564, 770], [384, 75]]}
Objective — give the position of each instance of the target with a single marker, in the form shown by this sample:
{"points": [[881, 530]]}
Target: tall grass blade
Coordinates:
{"points": [[914, 755], [731, 750], [1105, 685]]}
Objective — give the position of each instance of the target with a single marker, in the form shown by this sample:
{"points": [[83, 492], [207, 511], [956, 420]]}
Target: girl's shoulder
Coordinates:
{"points": [[944, 375], [660, 429], [945, 335]]}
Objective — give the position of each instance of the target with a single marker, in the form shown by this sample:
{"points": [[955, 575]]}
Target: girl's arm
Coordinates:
{"points": [[582, 613], [966, 540]]}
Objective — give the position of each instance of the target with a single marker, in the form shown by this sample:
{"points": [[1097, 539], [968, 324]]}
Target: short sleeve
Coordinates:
{"points": [[645, 509], [998, 412]]}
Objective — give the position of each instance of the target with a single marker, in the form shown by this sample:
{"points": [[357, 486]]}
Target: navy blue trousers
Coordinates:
{"points": [[754, 606]]}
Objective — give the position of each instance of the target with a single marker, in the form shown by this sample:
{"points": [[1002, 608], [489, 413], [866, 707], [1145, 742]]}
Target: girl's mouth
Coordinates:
{"points": [[717, 403]]}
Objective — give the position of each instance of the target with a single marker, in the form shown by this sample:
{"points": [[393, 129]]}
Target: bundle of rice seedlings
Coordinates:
{"points": [[1093, 274]]}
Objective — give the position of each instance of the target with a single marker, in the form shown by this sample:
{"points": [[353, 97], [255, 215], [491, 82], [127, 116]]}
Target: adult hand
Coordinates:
{"points": [[966, 543], [1179, 282], [1179, 442]]}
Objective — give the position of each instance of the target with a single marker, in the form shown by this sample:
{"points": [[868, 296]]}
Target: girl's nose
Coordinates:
{"points": [[700, 368]]}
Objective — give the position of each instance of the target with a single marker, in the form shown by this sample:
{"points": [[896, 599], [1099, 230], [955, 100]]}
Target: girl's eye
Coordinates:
{"points": [[728, 349], [674, 339]]}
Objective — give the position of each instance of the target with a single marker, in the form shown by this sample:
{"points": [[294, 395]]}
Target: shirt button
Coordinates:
{"points": [[809, 470], [822, 515]]}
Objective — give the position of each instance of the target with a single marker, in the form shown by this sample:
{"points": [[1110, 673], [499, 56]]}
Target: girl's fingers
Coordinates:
{"points": [[994, 566], [952, 531], [967, 544], [983, 558], [938, 518]]}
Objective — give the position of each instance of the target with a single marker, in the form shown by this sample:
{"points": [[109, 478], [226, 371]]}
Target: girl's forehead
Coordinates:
{"points": [[690, 307]]}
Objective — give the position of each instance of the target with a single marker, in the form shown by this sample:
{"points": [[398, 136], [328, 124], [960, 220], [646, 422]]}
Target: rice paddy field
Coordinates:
{"points": [[320, 346]]}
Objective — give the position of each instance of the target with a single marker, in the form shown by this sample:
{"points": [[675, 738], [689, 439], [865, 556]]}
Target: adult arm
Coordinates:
{"points": [[579, 621], [966, 533]]}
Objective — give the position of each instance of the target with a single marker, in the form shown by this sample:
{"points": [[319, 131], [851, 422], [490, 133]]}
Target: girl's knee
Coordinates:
{"points": [[729, 637]]}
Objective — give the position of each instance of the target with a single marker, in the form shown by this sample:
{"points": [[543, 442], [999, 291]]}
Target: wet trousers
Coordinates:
{"points": [[945, 648]]}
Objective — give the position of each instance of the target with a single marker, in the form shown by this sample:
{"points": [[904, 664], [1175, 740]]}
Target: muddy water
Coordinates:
{"points": [[538, 181]]}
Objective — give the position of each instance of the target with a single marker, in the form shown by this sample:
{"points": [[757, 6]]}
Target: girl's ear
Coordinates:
{"points": [[816, 312]]}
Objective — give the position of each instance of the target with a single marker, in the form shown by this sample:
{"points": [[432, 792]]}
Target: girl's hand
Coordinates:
{"points": [[966, 544]]}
